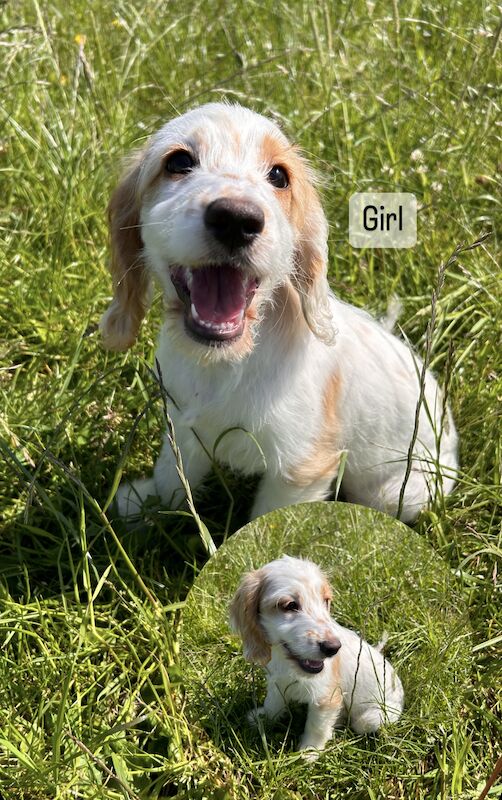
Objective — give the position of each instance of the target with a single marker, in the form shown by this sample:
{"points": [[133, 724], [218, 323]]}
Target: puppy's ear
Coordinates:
{"points": [[120, 323], [310, 275], [244, 618], [326, 592]]}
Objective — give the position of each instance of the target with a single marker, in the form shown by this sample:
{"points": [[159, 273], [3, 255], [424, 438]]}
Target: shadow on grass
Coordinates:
{"points": [[43, 548]]}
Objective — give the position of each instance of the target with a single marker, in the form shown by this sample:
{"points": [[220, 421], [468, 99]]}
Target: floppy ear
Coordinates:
{"points": [[120, 323], [327, 591], [310, 275], [244, 618]]}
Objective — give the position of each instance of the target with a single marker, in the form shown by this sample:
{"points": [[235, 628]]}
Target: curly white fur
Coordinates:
{"points": [[253, 338], [281, 611]]}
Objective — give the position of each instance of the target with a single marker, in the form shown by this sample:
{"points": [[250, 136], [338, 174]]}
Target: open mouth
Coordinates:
{"points": [[216, 298], [309, 665]]}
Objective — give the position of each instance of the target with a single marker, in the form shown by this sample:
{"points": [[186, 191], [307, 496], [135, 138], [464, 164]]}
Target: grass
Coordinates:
{"points": [[381, 96]]}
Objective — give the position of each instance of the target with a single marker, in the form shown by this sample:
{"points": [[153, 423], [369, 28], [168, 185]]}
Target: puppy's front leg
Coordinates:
{"points": [[272, 708], [165, 481], [319, 727], [275, 492]]}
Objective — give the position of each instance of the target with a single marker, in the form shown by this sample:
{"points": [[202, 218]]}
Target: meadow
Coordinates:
{"points": [[381, 96]]}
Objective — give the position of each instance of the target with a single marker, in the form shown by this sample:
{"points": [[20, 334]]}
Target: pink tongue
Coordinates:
{"points": [[218, 293]]}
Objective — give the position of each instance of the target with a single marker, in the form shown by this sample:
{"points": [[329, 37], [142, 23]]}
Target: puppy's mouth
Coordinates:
{"points": [[216, 298], [309, 665]]}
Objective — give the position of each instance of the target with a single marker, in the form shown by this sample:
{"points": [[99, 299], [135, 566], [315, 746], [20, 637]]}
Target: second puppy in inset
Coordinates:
{"points": [[282, 613]]}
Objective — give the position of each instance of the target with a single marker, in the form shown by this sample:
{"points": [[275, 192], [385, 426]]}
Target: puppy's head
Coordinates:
{"points": [[222, 210], [286, 603]]}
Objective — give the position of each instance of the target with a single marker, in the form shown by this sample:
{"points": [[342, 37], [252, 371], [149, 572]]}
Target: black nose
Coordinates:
{"points": [[235, 223], [329, 647]]}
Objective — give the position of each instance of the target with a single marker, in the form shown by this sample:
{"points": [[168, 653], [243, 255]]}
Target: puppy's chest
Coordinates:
{"points": [[239, 426], [296, 688], [252, 419]]}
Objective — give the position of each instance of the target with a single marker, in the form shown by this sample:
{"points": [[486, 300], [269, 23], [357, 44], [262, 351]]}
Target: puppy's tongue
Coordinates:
{"points": [[219, 293]]}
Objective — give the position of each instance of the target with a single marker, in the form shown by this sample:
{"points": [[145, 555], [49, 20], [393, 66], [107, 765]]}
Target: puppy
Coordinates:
{"points": [[222, 211], [281, 611]]}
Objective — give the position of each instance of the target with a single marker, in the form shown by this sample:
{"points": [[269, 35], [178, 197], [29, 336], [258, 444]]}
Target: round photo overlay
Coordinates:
{"points": [[386, 582]]}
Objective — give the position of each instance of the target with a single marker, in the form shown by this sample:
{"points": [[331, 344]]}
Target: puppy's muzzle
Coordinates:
{"points": [[328, 648], [233, 222]]}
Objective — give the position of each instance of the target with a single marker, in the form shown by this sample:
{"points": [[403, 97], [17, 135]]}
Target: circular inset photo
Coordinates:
{"points": [[326, 632]]}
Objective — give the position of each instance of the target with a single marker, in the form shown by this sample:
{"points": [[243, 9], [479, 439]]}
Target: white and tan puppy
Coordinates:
{"points": [[221, 210], [281, 611]]}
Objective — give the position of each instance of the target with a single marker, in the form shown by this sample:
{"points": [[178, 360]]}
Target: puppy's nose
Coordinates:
{"points": [[235, 223], [330, 647]]}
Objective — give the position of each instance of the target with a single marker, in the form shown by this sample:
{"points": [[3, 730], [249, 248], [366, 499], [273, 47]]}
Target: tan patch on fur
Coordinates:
{"points": [[244, 617], [324, 458], [333, 696], [327, 593]]}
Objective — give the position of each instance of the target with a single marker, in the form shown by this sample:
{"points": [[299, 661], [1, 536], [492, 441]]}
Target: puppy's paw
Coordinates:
{"points": [[255, 715], [310, 754], [310, 750], [131, 496]]}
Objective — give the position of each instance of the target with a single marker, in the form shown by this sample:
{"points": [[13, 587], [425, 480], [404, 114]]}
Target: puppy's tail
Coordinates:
{"points": [[383, 641], [394, 310]]}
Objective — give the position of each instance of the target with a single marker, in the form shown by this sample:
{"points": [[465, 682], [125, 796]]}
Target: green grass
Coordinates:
{"points": [[384, 96]]}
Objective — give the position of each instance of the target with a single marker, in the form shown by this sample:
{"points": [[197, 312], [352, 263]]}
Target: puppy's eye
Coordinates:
{"points": [[327, 601], [179, 163], [291, 606], [278, 177]]}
